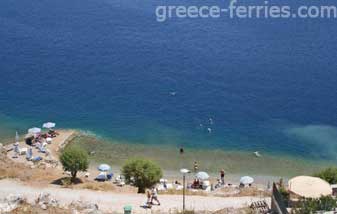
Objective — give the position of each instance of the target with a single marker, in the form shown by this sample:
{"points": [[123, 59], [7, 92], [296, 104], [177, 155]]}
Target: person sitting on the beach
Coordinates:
{"points": [[196, 184], [154, 195]]}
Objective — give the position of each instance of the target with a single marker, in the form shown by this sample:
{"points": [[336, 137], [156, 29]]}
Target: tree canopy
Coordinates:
{"points": [[142, 173], [74, 159]]}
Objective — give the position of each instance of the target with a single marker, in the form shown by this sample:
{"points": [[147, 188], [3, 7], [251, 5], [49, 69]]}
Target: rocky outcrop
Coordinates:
{"points": [[45, 200], [81, 207], [11, 202]]}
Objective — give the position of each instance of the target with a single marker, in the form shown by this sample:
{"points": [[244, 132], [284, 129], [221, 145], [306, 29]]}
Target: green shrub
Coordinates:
{"points": [[329, 174], [74, 159], [310, 205], [142, 173]]}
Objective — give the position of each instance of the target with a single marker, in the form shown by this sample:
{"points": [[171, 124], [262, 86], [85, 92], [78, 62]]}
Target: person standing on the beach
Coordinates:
{"points": [[195, 167], [222, 176], [154, 196]]}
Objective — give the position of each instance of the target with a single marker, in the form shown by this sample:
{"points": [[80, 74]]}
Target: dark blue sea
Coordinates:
{"points": [[108, 67]]}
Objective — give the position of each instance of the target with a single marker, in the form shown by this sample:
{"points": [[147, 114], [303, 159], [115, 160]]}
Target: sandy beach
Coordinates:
{"points": [[108, 196]]}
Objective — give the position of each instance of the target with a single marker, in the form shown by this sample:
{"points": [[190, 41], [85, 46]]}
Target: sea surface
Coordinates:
{"points": [[109, 68]]}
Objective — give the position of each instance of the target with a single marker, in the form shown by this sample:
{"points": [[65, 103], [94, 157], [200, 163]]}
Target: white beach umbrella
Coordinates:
{"points": [[34, 130], [49, 125], [104, 167], [17, 138], [246, 180], [202, 176], [48, 139]]}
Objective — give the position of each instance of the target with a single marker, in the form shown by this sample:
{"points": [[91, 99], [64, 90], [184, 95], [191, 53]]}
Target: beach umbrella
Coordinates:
{"points": [[104, 167], [49, 125], [246, 180], [202, 176], [34, 130], [48, 139], [17, 137]]}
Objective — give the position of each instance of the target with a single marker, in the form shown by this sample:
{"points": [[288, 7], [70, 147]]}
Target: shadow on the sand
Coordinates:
{"points": [[64, 181]]}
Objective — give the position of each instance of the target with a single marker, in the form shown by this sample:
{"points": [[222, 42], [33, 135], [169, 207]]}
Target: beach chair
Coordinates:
{"points": [[37, 159], [29, 154], [102, 176]]}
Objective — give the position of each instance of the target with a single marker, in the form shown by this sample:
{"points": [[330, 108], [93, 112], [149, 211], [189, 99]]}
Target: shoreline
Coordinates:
{"points": [[265, 169]]}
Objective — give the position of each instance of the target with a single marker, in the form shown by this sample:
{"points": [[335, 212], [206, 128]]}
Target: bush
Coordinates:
{"points": [[142, 173], [74, 159], [329, 175], [310, 205]]}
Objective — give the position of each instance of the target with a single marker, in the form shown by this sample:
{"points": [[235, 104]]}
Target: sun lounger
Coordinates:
{"points": [[179, 187], [36, 159], [101, 177]]}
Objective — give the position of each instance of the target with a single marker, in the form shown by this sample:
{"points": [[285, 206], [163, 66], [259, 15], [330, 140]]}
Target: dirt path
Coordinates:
{"points": [[114, 202]]}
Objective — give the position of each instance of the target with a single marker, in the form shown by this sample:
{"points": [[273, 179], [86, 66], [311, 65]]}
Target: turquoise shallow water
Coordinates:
{"points": [[108, 67]]}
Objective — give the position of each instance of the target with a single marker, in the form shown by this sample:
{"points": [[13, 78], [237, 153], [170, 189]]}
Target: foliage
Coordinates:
{"points": [[74, 159], [285, 195], [142, 173], [329, 174], [310, 205]]}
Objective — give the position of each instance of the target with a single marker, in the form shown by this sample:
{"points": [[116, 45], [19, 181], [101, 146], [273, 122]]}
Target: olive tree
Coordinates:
{"points": [[74, 159], [142, 173]]}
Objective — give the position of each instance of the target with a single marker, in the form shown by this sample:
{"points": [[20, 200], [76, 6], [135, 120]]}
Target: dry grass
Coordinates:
{"points": [[97, 186]]}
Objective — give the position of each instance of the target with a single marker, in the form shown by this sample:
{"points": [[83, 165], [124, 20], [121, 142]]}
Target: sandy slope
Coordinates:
{"points": [[109, 201]]}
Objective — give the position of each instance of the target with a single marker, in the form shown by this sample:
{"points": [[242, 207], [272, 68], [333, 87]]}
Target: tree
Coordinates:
{"points": [[142, 173], [74, 159], [329, 175]]}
